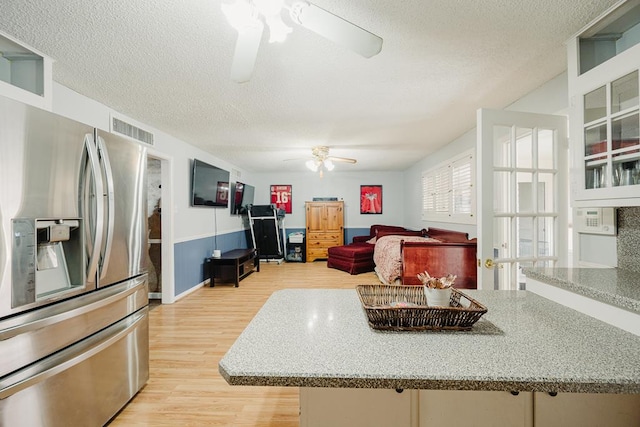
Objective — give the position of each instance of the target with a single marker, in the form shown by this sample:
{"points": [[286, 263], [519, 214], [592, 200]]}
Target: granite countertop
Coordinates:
{"points": [[321, 338], [618, 287]]}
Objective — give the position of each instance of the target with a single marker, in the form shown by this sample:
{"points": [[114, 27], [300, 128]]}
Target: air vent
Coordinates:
{"points": [[123, 128]]}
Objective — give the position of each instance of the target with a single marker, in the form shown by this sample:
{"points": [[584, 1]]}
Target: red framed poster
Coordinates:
{"points": [[281, 197], [371, 199]]}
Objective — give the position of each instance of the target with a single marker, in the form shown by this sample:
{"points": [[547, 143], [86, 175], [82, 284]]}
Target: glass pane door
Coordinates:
{"points": [[523, 208]]}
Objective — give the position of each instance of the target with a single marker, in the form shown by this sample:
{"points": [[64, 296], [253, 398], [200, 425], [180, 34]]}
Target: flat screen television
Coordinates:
{"points": [[243, 196], [209, 185]]}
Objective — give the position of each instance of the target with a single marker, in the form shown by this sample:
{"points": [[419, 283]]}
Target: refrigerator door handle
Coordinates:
{"points": [[110, 205], [96, 229], [119, 292]]}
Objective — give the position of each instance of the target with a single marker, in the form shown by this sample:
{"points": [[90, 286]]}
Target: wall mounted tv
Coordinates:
{"points": [[243, 196], [209, 185]]}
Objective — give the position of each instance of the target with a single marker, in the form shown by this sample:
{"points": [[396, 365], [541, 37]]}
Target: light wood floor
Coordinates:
{"points": [[188, 339]]}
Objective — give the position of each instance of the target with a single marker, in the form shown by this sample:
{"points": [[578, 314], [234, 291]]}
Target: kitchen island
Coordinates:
{"points": [[523, 346], [608, 294], [613, 286]]}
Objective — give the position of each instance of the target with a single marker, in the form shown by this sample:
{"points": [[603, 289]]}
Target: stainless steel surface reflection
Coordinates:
{"points": [[29, 337], [83, 385]]}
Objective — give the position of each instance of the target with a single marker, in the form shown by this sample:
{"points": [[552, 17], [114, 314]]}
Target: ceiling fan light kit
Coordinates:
{"points": [[312, 165], [271, 10], [240, 14], [321, 160], [278, 30], [246, 17]]}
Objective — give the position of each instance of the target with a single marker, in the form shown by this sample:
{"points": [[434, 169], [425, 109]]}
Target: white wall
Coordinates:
{"points": [[402, 198], [343, 185], [5, 70], [190, 223], [550, 98]]}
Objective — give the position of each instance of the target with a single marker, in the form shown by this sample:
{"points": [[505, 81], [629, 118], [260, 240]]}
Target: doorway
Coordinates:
{"points": [[154, 217], [160, 224]]}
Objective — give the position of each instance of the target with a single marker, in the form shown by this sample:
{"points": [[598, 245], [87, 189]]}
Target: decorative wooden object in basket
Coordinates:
{"points": [[404, 308]]}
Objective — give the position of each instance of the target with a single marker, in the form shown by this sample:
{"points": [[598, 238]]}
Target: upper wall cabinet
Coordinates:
{"points": [[25, 74], [603, 64]]}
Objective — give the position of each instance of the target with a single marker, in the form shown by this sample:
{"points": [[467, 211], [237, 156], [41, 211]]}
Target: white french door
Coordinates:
{"points": [[522, 195]]}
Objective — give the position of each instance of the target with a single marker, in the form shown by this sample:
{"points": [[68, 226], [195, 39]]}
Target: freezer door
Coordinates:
{"points": [[29, 337], [85, 384], [125, 209]]}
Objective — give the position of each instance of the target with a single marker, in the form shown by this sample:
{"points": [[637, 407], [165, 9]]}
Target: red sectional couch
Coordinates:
{"points": [[454, 253], [357, 257]]}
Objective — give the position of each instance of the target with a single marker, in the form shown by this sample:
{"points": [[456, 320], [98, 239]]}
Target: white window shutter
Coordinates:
{"points": [[448, 193], [428, 192], [443, 187], [461, 186]]}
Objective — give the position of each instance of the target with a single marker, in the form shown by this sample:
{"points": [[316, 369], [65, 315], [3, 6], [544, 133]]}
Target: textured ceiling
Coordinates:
{"points": [[166, 63]]}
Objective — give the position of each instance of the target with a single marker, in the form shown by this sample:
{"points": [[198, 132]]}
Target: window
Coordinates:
{"points": [[448, 194]]}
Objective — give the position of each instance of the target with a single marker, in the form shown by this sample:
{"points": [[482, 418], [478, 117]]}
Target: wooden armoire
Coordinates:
{"points": [[325, 228]]}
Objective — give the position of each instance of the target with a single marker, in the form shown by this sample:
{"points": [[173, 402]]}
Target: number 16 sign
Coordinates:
{"points": [[281, 197]]}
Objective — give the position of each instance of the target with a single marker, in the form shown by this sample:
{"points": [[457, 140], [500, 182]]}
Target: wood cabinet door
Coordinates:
{"points": [[586, 410], [334, 217], [462, 408], [361, 407], [315, 218]]}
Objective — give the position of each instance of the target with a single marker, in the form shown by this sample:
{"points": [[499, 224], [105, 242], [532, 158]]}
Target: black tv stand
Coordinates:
{"points": [[233, 266]]}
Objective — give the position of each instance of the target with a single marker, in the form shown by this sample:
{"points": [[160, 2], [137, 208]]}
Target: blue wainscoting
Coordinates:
{"points": [[189, 256], [350, 232]]}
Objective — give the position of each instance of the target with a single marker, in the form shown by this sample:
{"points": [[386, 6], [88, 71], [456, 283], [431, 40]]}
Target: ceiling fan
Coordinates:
{"points": [[322, 160], [247, 16]]}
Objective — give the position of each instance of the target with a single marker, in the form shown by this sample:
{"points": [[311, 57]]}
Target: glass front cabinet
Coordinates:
{"points": [[25, 73], [604, 81]]}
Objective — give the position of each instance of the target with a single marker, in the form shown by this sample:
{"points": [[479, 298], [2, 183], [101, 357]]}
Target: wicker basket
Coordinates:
{"points": [[404, 308]]}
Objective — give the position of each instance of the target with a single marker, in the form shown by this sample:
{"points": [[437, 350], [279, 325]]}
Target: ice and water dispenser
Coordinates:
{"points": [[48, 259]]}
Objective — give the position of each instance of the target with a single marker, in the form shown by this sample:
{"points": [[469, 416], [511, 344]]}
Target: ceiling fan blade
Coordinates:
{"points": [[244, 57], [341, 159], [336, 29]]}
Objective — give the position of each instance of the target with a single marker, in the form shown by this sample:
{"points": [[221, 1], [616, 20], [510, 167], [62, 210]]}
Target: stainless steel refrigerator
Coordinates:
{"points": [[74, 339]]}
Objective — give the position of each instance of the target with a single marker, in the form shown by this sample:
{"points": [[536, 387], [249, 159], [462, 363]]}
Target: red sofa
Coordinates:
{"points": [[357, 257]]}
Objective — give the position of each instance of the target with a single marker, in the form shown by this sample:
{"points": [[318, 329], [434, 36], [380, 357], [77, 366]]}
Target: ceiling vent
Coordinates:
{"points": [[121, 127]]}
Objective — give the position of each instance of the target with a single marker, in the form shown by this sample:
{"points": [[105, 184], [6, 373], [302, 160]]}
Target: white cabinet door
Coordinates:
{"points": [[355, 407], [474, 408], [586, 410], [604, 112]]}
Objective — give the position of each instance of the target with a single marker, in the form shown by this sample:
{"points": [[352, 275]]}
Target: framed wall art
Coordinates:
{"points": [[281, 197], [371, 199]]}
